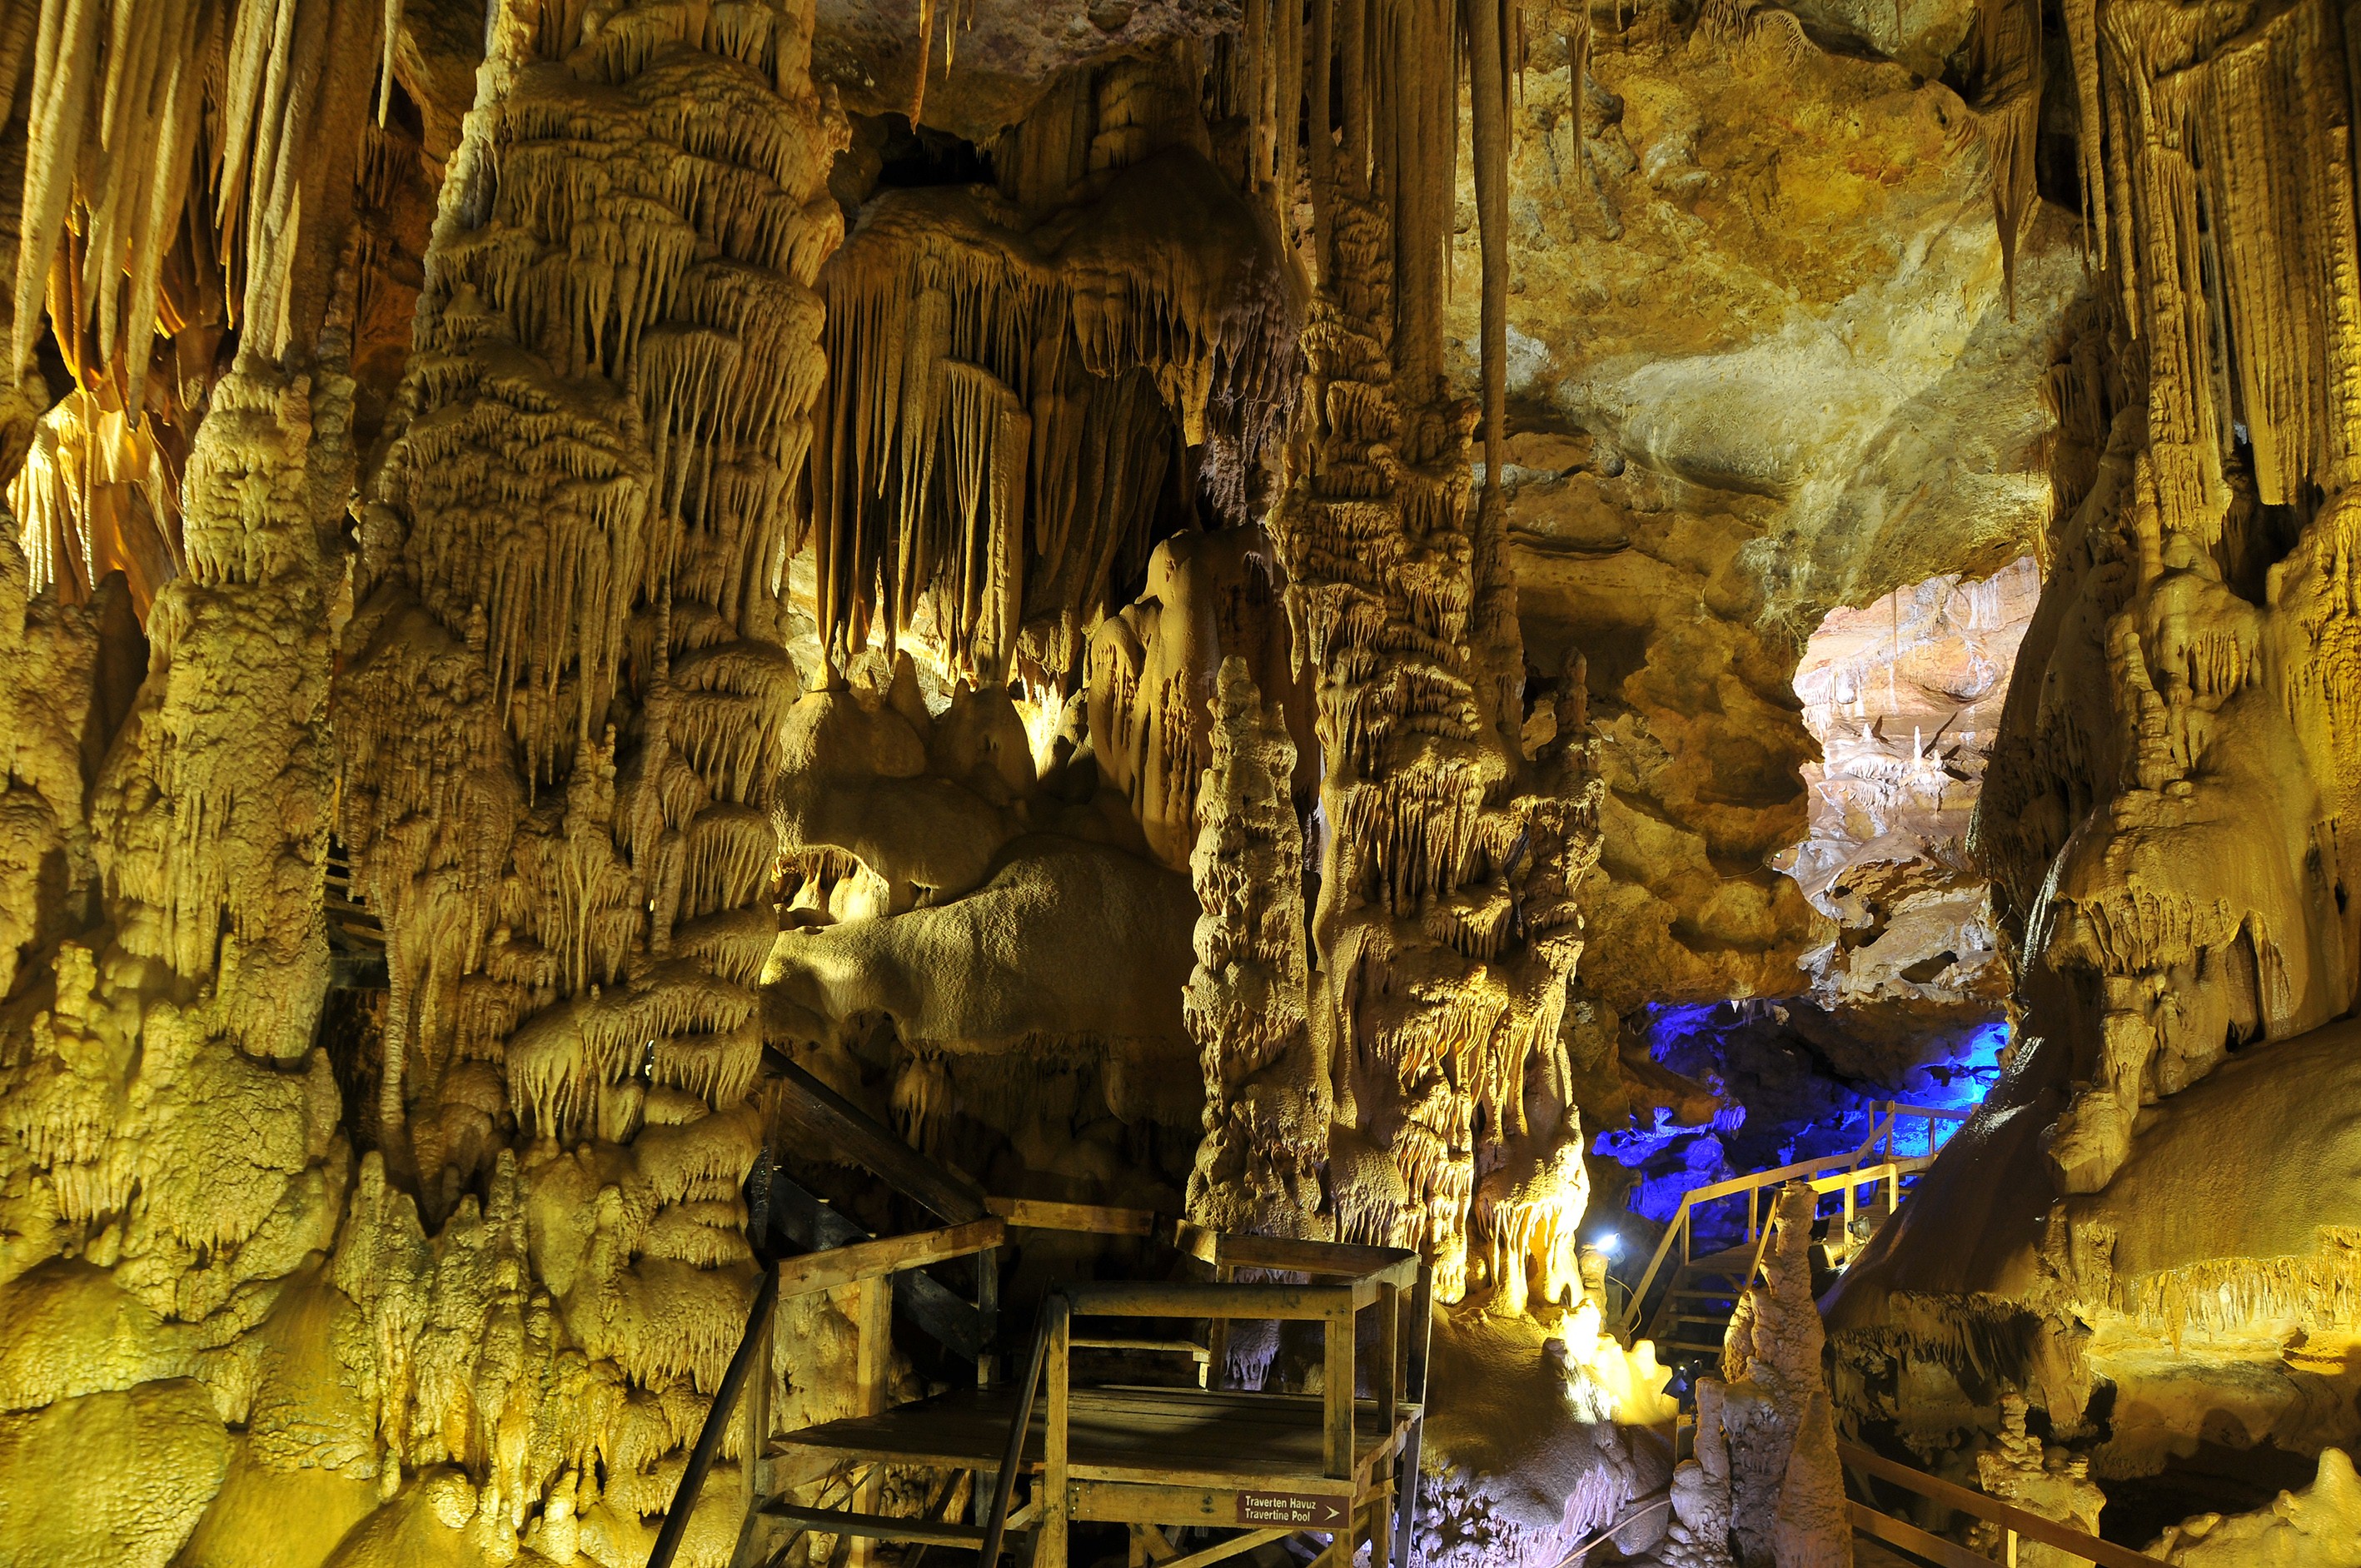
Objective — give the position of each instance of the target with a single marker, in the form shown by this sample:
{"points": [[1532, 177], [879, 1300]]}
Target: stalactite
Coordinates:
{"points": [[2227, 219], [996, 445], [1786, 1486], [2005, 64]]}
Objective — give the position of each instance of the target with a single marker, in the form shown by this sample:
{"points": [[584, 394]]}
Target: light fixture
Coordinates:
{"points": [[1608, 1242]]}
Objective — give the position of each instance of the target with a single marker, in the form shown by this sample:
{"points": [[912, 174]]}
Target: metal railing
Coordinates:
{"points": [[1847, 1172]]}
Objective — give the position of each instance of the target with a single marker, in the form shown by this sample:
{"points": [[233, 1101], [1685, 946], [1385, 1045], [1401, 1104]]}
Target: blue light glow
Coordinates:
{"points": [[1782, 1100]]}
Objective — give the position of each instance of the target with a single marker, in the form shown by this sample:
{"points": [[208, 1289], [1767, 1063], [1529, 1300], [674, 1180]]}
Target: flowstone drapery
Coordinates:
{"points": [[171, 1154], [2189, 656], [2165, 812], [560, 713]]}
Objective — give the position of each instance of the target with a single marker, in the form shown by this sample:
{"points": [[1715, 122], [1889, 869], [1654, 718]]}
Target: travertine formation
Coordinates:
{"points": [[560, 713]]}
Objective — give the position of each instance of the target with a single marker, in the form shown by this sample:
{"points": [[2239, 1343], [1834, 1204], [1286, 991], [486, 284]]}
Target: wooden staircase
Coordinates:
{"points": [[1694, 1318], [1017, 1459], [1685, 1303]]}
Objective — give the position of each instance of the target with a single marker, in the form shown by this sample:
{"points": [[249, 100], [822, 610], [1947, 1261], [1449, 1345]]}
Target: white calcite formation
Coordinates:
{"points": [[1903, 697]]}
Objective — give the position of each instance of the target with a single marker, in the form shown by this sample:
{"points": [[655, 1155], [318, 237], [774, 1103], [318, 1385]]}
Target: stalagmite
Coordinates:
{"points": [[1786, 1490], [2019, 1469], [1267, 1087], [1153, 668], [1445, 927]]}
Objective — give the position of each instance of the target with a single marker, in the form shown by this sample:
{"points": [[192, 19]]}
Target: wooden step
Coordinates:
{"points": [[878, 1525]]}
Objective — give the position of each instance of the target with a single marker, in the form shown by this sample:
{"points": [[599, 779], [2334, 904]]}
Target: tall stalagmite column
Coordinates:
{"points": [[559, 715], [1267, 1092], [1445, 925]]}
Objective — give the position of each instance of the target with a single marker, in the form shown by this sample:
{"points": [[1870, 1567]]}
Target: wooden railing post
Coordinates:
{"points": [[1050, 1541], [987, 1316], [1389, 1372], [1336, 1394], [1421, 1324], [873, 1367], [1217, 1333]]}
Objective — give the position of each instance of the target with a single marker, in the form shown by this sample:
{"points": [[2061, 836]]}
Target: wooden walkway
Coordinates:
{"points": [[1265, 1465], [1023, 1458]]}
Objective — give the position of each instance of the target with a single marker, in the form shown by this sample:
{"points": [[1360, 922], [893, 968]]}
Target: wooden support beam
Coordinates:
{"points": [[875, 1527], [858, 1136], [1091, 1219], [1147, 1299], [873, 1372], [1422, 1327], [1222, 1550], [1050, 1541], [810, 1271], [1336, 1397]]}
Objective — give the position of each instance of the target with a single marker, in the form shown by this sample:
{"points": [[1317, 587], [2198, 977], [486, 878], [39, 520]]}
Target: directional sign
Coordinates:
{"points": [[1298, 1510]]}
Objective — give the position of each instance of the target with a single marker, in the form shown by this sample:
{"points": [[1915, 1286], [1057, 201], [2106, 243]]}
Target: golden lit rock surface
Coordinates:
{"points": [[1230, 610]]}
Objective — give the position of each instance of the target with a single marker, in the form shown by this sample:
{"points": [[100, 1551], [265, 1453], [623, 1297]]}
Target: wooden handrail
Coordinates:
{"points": [[717, 1420], [825, 1270], [1152, 1299], [1828, 1173], [2032, 1526], [1090, 1219], [950, 1196], [1394, 1265]]}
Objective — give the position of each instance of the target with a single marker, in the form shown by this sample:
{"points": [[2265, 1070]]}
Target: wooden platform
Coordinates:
{"points": [[1178, 1436], [1254, 1468]]}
